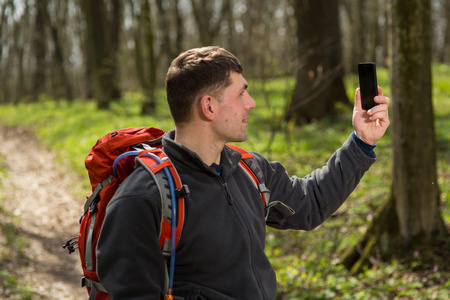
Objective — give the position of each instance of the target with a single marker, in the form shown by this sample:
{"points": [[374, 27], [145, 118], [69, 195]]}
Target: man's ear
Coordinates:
{"points": [[208, 107]]}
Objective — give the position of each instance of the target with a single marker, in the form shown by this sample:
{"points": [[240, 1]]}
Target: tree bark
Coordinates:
{"points": [[165, 30], [355, 11], [61, 76], [444, 53], [208, 25], [411, 220], [415, 186], [145, 58], [40, 50], [103, 49], [179, 28], [320, 71], [115, 31]]}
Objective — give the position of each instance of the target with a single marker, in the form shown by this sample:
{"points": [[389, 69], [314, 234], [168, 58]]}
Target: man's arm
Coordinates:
{"points": [[319, 194]]}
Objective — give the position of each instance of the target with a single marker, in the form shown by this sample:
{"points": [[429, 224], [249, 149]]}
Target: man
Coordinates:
{"points": [[221, 252]]}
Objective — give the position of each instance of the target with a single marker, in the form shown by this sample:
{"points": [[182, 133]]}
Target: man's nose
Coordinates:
{"points": [[250, 102]]}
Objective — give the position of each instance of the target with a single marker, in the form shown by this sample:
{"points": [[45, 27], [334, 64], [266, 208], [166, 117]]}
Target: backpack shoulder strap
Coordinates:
{"points": [[251, 165], [172, 194], [169, 184]]}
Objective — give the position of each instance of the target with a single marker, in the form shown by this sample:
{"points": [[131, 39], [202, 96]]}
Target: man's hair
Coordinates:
{"points": [[195, 73]]}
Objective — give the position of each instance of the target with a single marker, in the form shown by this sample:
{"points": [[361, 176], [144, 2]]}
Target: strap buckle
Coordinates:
{"points": [[183, 192]]}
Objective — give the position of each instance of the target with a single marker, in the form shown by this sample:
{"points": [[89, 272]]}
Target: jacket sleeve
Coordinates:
{"points": [[318, 195], [130, 264]]}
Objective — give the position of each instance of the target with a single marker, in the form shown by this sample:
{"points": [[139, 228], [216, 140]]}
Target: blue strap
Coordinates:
{"points": [[174, 220], [116, 161]]}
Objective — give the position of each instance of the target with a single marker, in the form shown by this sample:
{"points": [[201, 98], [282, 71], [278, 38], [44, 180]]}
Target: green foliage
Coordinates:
{"points": [[441, 93], [306, 263]]}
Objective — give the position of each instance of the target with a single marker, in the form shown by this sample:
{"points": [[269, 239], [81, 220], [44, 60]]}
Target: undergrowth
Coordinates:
{"points": [[307, 263]]}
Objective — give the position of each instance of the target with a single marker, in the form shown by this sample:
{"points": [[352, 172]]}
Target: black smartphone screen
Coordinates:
{"points": [[368, 84]]}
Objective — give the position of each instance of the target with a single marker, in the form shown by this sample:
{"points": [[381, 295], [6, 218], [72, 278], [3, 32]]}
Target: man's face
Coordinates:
{"points": [[234, 107]]}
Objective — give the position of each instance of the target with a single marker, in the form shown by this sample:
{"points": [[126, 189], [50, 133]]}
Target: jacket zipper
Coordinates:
{"points": [[249, 234], [227, 191]]}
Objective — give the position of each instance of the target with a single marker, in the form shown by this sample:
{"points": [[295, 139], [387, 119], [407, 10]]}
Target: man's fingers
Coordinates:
{"points": [[380, 112], [380, 91], [358, 99], [382, 100], [374, 115]]}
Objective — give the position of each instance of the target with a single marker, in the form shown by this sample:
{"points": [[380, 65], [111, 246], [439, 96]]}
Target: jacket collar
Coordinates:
{"points": [[182, 155]]}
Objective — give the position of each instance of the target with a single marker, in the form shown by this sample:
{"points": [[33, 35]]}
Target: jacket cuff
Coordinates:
{"points": [[366, 148], [359, 150]]}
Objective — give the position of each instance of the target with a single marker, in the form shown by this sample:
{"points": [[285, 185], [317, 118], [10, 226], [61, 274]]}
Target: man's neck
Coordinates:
{"points": [[201, 143]]}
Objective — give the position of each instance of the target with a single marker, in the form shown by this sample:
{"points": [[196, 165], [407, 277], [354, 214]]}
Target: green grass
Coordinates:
{"points": [[306, 263]]}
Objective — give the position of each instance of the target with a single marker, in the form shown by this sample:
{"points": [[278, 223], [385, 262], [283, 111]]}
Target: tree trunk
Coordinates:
{"points": [[415, 187], [179, 28], [61, 79], [373, 31], [411, 220], [145, 59], [3, 85], [444, 53], [319, 76], [355, 11], [163, 17], [40, 49], [207, 20], [103, 49], [115, 31]]}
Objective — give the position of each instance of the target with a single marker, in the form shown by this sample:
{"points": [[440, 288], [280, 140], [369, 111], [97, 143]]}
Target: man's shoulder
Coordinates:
{"points": [[140, 183]]}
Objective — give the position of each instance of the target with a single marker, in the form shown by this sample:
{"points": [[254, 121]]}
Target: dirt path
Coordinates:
{"points": [[42, 196]]}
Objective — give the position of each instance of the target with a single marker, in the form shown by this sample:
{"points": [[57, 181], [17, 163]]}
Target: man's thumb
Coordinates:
{"points": [[358, 99]]}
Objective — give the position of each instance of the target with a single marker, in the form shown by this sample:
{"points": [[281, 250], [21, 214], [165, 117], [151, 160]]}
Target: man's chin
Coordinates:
{"points": [[241, 139]]}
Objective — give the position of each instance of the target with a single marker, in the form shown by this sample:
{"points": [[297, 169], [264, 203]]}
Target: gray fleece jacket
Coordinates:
{"points": [[221, 252]]}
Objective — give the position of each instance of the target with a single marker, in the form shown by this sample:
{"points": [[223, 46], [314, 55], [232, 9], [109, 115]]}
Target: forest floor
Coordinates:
{"points": [[38, 199]]}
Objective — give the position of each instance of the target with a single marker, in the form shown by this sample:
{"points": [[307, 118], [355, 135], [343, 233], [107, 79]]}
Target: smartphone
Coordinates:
{"points": [[368, 84]]}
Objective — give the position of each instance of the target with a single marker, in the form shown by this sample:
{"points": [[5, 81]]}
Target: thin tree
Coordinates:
{"points": [[103, 32], [145, 58], [320, 71], [178, 27], [209, 19], [411, 220], [444, 51], [39, 42], [60, 77], [10, 41], [22, 31]]}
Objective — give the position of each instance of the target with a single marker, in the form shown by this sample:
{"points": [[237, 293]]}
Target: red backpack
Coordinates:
{"points": [[110, 161]]}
